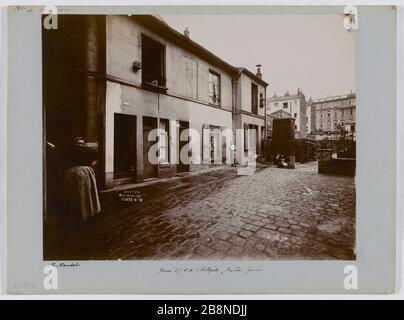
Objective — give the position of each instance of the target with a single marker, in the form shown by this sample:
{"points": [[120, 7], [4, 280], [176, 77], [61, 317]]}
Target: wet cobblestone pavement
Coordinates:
{"points": [[272, 214]]}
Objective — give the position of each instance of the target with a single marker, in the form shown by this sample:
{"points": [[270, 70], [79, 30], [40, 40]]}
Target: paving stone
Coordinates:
{"points": [[245, 234], [221, 245], [237, 241], [222, 235], [204, 251], [260, 247]]}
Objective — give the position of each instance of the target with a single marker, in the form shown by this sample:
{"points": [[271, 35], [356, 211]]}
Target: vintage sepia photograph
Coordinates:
{"points": [[199, 137]]}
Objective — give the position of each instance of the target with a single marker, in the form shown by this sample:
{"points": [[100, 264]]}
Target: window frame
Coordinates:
{"points": [[254, 102], [162, 81], [216, 74]]}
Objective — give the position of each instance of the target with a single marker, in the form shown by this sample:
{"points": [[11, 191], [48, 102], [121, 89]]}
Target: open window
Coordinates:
{"points": [[153, 63], [214, 88]]}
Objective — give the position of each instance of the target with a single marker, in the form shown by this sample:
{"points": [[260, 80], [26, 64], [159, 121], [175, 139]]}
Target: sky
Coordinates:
{"points": [[313, 52]]}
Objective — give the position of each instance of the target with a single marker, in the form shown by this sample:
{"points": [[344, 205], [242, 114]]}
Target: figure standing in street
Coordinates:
{"points": [[80, 183]]}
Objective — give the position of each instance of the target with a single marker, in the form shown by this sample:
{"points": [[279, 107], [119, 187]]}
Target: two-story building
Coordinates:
{"points": [[142, 94], [249, 112]]}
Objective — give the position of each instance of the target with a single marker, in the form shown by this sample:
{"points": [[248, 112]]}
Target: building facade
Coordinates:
{"points": [[135, 87], [249, 115], [310, 119], [335, 114], [295, 105]]}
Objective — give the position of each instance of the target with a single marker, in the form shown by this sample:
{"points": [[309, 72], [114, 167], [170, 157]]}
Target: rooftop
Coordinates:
{"points": [[157, 24], [253, 76], [335, 98], [287, 96]]}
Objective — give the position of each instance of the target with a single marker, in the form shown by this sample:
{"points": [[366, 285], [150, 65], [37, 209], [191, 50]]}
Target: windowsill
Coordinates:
{"points": [[164, 165], [215, 105], [154, 87]]}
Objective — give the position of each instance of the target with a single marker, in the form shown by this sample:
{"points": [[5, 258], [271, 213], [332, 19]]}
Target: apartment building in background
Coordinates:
{"points": [[335, 114], [295, 105]]}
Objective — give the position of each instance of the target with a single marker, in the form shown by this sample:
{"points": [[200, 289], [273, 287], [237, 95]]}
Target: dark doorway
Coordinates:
{"points": [[262, 144], [183, 167], [124, 146], [149, 169]]}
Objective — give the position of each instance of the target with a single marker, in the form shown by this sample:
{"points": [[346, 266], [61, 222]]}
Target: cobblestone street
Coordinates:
{"points": [[272, 214]]}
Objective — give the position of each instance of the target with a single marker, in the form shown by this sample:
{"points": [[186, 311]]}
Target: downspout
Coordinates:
{"points": [[265, 137], [234, 83]]}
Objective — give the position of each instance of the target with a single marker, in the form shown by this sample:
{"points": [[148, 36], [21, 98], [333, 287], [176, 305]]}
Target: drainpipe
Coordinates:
{"points": [[234, 84]]}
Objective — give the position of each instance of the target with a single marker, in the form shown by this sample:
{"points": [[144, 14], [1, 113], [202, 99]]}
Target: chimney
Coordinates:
{"points": [[186, 32], [259, 74]]}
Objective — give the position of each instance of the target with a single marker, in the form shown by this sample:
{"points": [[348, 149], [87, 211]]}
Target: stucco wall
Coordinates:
{"points": [[141, 103], [244, 100], [187, 75]]}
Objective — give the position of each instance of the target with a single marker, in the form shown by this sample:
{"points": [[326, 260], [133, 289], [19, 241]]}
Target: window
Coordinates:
{"points": [[351, 112], [295, 115], [321, 115], [214, 88], [335, 124], [276, 104], [164, 141], [285, 105], [342, 112], [254, 98], [335, 114], [350, 103], [153, 62], [329, 114], [262, 101]]}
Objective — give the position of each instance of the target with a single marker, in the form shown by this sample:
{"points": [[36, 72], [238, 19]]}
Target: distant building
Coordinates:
{"points": [[295, 105], [310, 118], [334, 115]]}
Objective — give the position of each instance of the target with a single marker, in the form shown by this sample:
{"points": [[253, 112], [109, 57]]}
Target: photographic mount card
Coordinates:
{"points": [[164, 150]]}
